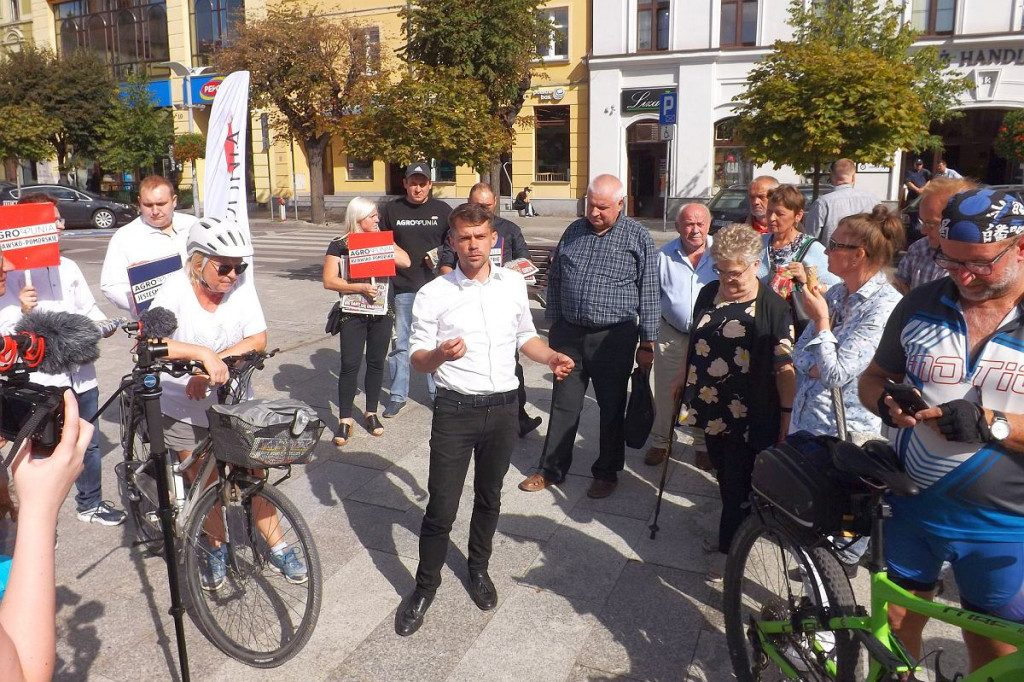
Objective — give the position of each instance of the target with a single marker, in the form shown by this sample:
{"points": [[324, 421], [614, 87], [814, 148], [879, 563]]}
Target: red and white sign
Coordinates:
{"points": [[371, 254], [209, 89], [29, 236]]}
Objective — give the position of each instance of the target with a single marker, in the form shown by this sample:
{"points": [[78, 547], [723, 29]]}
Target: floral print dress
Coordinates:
{"points": [[718, 383]]}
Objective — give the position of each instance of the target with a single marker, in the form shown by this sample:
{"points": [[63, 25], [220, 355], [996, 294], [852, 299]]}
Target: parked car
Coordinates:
{"points": [[731, 205], [78, 207]]}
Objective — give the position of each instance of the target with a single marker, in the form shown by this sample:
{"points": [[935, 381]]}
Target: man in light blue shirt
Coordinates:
{"points": [[684, 267], [845, 199]]}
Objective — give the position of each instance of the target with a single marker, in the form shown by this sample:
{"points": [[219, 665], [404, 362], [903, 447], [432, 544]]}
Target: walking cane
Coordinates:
{"points": [[664, 467]]}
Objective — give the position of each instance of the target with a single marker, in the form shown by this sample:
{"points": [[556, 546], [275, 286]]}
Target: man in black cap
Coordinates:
{"points": [[419, 223], [915, 182]]}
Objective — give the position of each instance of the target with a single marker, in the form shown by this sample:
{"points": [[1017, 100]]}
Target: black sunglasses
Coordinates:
{"points": [[224, 269]]}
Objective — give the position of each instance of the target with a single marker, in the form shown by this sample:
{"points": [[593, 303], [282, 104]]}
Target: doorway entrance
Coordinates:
{"points": [[968, 147], [648, 157]]}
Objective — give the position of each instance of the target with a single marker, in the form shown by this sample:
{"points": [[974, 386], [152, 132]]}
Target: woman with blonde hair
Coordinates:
{"points": [[362, 335]]}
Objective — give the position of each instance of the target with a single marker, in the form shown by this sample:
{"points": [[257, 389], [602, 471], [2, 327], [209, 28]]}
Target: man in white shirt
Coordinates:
{"points": [[466, 327], [158, 232]]}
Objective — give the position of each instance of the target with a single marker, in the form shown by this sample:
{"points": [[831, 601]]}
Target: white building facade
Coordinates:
{"points": [[704, 49]]}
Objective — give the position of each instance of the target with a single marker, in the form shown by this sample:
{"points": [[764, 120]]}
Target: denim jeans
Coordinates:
{"points": [[398, 360], [89, 484]]}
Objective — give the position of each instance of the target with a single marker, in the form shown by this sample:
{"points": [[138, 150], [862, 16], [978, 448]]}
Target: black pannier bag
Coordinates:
{"points": [[799, 479]]}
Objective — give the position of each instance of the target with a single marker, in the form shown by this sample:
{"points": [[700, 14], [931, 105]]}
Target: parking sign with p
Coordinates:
{"points": [[667, 108]]}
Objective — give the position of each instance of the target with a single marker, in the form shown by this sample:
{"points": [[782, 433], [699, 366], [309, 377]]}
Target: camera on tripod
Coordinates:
{"points": [[22, 402]]}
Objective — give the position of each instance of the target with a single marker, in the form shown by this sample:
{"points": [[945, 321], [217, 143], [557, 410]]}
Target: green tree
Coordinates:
{"points": [[76, 89], [137, 133], [850, 83], [434, 114], [493, 42], [309, 71], [25, 133]]}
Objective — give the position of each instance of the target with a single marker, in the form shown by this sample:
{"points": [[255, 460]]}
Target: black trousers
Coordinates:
{"points": [[523, 417], [359, 333], [734, 460], [459, 432], [606, 357]]}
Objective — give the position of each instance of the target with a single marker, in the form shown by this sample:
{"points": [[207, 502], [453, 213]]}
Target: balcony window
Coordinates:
{"points": [[129, 34], [652, 25], [558, 45], [213, 25], [933, 17], [552, 143], [739, 23]]}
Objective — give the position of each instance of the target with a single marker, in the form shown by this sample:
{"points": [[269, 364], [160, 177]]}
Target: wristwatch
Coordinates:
{"points": [[1000, 428]]}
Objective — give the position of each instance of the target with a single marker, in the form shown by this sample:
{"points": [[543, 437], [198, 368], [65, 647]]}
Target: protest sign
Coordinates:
{"points": [[146, 278], [371, 254], [28, 236]]}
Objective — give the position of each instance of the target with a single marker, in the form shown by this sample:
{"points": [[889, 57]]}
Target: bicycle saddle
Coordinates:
{"points": [[874, 460]]}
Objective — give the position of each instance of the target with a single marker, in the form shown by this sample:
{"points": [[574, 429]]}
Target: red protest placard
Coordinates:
{"points": [[371, 254], [28, 236]]}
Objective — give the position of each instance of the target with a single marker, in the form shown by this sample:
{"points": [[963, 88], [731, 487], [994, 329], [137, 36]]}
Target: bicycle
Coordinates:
{"points": [[249, 603], [790, 611]]}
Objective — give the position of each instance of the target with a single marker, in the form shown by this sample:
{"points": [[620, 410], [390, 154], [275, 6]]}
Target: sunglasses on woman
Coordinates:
{"points": [[224, 269]]}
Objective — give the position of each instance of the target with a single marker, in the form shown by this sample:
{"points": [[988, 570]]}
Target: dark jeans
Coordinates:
{"points": [[359, 332], [734, 460], [606, 357], [459, 432], [89, 482]]}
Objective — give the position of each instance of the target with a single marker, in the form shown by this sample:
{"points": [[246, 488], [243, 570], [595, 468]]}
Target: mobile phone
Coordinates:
{"points": [[907, 397]]}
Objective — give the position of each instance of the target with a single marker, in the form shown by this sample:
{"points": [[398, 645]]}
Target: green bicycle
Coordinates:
{"points": [[790, 612]]}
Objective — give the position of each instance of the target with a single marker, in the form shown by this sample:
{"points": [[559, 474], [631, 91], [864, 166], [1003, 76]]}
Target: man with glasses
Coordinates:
{"points": [[960, 342], [684, 267], [918, 265]]}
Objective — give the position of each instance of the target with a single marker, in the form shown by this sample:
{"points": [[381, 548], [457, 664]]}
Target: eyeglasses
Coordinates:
{"points": [[973, 267], [224, 269], [833, 245], [732, 274]]}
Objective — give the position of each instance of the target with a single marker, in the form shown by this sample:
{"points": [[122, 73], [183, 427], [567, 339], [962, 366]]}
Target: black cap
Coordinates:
{"points": [[418, 168], [918, 161]]}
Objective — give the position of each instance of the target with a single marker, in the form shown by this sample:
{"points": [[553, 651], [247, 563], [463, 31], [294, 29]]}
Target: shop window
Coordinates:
{"points": [[739, 23], [731, 168], [558, 46], [130, 35], [652, 25], [444, 171], [933, 17], [552, 143], [359, 169]]}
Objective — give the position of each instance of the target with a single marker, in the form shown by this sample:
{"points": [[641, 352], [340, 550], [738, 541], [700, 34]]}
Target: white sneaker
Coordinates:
{"points": [[103, 514]]}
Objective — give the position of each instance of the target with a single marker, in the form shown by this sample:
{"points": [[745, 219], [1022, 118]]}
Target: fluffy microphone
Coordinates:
{"points": [[70, 339], [158, 323]]}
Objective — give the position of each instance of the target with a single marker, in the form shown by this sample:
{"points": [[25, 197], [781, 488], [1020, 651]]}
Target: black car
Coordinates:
{"points": [[731, 204], [78, 207]]}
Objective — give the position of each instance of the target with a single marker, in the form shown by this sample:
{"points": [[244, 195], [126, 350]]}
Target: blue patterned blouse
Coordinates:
{"points": [[841, 356]]}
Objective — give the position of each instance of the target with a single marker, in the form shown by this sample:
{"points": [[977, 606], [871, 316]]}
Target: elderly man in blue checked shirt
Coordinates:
{"points": [[603, 295]]}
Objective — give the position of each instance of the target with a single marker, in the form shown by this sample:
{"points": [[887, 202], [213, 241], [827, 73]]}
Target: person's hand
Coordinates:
{"points": [[814, 372], [561, 365], [678, 384], [44, 482], [816, 308], [645, 358], [960, 421], [797, 272], [891, 413], [28, 299], [369, 291], [216, 370], [7, 507], [452, 349], [198, 387]]}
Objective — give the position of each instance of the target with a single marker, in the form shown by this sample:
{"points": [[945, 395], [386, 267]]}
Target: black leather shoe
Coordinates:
{"points": [[529, 424], [410, 615], [481, 589]]}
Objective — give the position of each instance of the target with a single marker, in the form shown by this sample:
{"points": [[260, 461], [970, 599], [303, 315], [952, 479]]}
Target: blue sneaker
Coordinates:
{"points": [[214, 569], [289, 565]]}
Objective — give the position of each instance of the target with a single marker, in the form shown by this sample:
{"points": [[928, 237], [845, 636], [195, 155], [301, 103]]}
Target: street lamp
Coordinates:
{"points": [[187, 73]]}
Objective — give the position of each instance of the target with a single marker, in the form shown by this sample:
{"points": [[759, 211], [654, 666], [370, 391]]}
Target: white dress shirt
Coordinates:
{"points": [[681, 282], [137, 243], [493, 318]]}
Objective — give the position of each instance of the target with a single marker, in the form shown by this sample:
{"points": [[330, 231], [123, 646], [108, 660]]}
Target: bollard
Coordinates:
{"points": [[280, 203]]}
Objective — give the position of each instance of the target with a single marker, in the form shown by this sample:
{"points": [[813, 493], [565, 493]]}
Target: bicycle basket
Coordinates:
{"points": [[264, 433], [798, 478]]}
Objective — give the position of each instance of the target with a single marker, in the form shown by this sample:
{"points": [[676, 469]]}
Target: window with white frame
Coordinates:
{"points": [[557, 47], [933, 17]]}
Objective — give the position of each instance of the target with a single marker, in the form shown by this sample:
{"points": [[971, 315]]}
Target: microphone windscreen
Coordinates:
{"points": [[71, 339], [158, 323]]}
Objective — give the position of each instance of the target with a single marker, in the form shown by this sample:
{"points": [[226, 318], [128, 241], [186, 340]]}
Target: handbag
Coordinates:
{"points": [[333, 325], [639, 410]]}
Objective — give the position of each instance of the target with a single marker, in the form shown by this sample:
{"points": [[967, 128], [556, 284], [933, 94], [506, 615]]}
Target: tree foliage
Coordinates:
{"points": [[76, 89], [309, 71], [850, 83], [25, 132], [189, 146], [1009, 142], [136, 133], [436, 114]]}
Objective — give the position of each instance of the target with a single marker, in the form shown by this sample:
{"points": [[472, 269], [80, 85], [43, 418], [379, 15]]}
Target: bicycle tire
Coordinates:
{"points": [[138, 485], [766, 575], [256, 615]]}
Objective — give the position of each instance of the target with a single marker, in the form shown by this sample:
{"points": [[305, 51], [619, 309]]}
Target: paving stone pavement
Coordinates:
{"points": [[585, 593]]}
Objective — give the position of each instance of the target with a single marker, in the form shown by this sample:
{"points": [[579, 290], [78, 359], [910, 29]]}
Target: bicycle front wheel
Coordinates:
{"points": [[136, 476], [253, 574], [768, 577]]}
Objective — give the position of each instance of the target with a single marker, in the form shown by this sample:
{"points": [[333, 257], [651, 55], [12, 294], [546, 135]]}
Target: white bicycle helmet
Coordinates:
{"points": [[218, 237]]}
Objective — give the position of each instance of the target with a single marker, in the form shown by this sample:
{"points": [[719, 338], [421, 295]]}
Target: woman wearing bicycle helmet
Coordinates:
{"points": [[217, 310]]}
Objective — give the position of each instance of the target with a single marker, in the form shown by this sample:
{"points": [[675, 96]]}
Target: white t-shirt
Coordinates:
{"points": [[137, 243], [58, 289], [239, 315]]}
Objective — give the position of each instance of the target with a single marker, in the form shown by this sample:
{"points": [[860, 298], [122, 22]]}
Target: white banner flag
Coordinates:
{"points": [[224, 184]]}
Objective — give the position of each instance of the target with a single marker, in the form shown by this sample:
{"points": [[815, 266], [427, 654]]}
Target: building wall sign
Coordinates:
{"points": [[642, 100], [984, 56]]}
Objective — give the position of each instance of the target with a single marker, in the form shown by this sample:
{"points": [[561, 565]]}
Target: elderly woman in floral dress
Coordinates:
{"points": [[738, 384]]}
